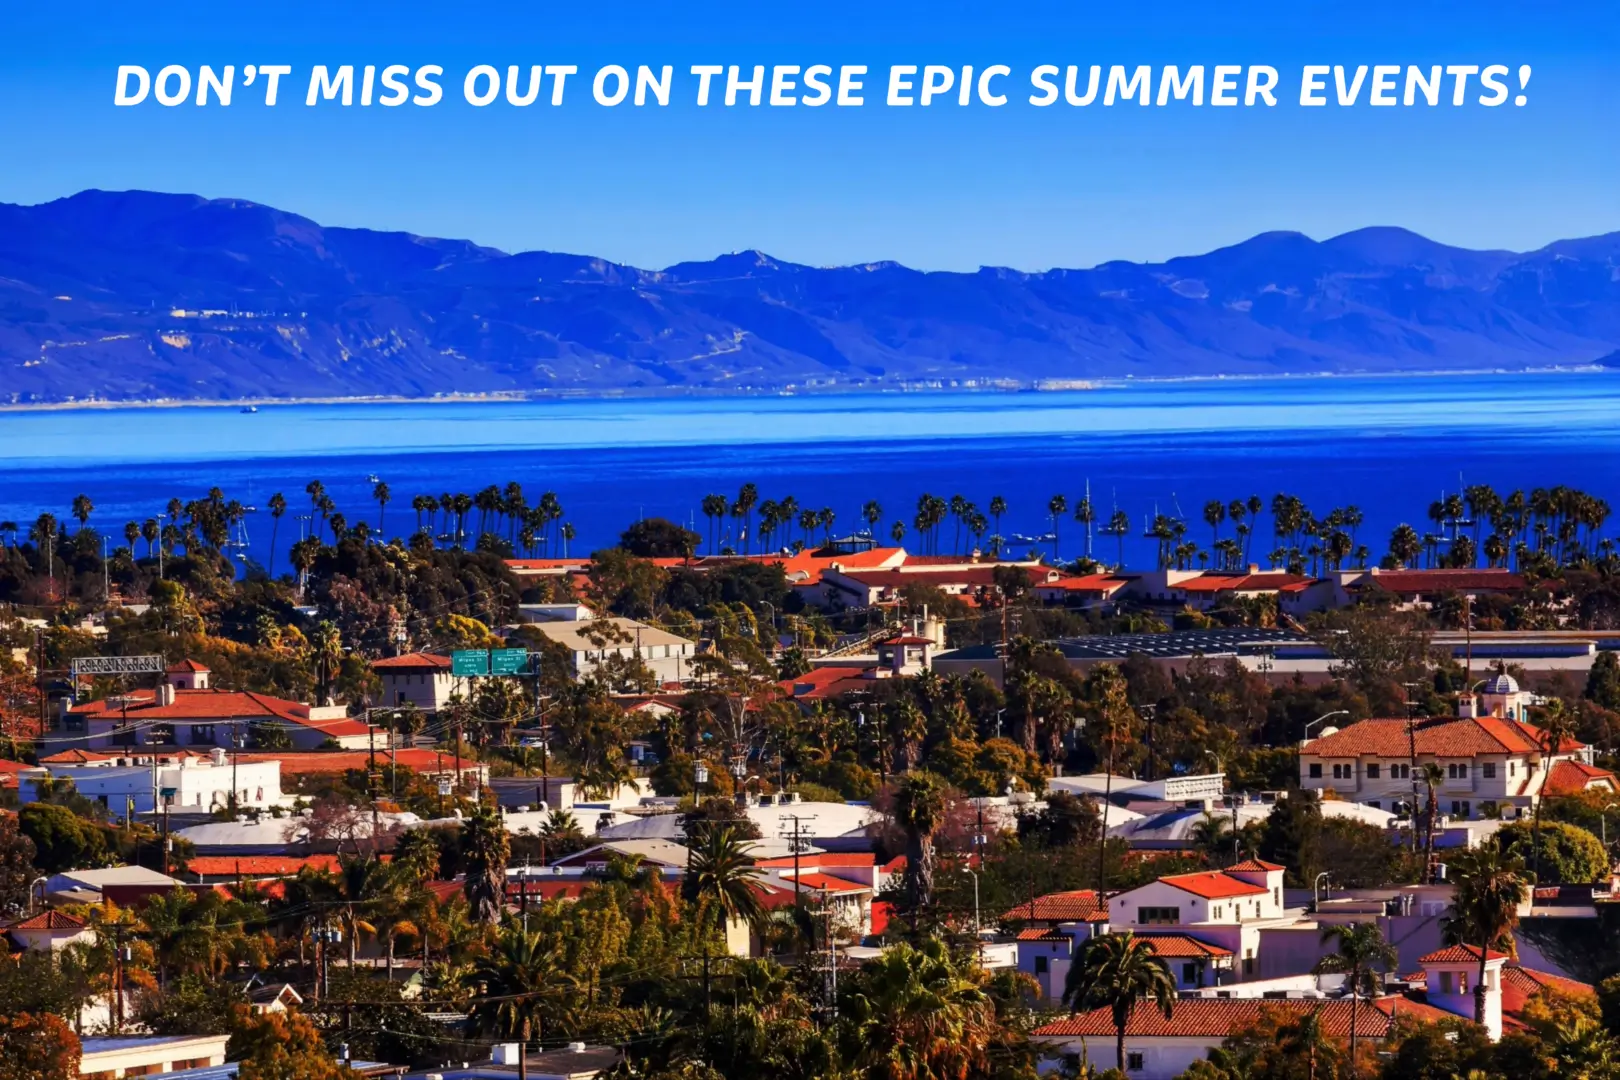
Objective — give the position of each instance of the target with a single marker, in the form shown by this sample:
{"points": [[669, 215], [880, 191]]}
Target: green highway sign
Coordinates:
{"points": [[469, 662], [508, 661]]}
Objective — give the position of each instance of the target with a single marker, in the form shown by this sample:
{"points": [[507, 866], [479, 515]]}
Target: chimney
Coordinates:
{"points": [[165, 695]]}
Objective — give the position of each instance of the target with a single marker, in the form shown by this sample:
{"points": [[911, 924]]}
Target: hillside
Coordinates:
{"points": [[140, 296]]}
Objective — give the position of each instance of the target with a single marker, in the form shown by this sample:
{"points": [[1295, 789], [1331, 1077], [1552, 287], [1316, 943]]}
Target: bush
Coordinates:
{"points": [[1569, 854]]}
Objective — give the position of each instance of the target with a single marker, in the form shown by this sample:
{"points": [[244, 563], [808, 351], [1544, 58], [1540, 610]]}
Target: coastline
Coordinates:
{"points": [[668, 394]]}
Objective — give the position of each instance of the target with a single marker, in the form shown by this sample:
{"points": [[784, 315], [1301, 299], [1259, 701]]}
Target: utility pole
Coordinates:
{"points": [[1411, 745], [795, 838], [120, 956], [371, 786]]}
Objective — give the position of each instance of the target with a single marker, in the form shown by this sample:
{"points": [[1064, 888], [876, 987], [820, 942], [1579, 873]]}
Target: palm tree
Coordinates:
{"points": [[382, 495], [485, 848], [82, 509], [522, 987], [1360, 953], [721, 879], [1118, 972], [1433, 776], [872, 513], [1490, 887], [1056, 507], [914, 1014], [919, 809], [714, 508], [278, 507], [897, 532], [1556, 730]]}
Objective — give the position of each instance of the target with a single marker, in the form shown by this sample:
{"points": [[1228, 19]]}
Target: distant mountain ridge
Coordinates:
{"points": [[138, 296]]}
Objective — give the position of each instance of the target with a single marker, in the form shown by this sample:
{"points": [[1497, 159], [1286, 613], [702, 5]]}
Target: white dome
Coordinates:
{"points": [[1501, 684]]}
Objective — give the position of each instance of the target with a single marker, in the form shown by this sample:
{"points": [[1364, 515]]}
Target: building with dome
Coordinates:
{"points": [[1496, 763]]}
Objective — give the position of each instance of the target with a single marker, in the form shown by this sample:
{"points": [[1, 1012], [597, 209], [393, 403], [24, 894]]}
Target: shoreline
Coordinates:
{"points": [[666, 394]]}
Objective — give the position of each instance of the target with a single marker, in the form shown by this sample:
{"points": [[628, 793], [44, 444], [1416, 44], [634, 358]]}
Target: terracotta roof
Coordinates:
{"points": [[1217, 1018], [1086, 583], [822, 858], [1460, 954], [9, 771], [1218, 583], [907, 639], [1180, 947], [972, 576], [1079, 905], [416, 661], [1520, 984], [1451, 736], [828, 883], [187, 666], [258, 865], [1052, 935], [1213, 885], [1414, 582], [212, 705], [1573, 777], [825, 682], [1255, 865], [48, 920]]}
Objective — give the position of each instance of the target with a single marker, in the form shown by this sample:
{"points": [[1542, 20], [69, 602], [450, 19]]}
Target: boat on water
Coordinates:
{"points": [[248, 409], [373, 478]]}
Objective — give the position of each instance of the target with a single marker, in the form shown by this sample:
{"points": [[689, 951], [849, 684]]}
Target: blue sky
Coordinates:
{"points": [[945, 188]]}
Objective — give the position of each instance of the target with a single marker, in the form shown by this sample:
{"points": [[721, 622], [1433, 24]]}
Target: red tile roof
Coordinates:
{"points": [[1217, 1018], [1460, 954], [1417, 582], [1213, 885], [416, 661], [825, 682], [248, 866], [208, 705], [969, 576], [1047, 934], [1520, 984], [188, 665], [907, 639], [1255, 865], [1079, 905], [48, 920], [1573, 777], [1102, 583], [821, 858], [293, 762], [9, 771], [827, 883], [1182, 947], [1219, 583], [1450, 736]]}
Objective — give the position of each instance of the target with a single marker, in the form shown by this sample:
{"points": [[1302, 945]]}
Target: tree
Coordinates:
{"points": [[913, 1014], [485, 848], [656, 538], [1570, 855], [522, 989], [1292, 837], [16, 866], [1360, 953], [1489, 887], [722, 880], [1603, 680], [1118, 972], [62, 840], [282, 1046], [1556, 730], [37, 1047], [919, 809]]}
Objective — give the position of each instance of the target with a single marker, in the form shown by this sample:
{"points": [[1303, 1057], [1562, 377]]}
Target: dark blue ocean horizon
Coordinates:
{"points": [[1389, 445]]}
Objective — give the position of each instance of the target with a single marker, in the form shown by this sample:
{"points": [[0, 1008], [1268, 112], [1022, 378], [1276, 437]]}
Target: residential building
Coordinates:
{"points": [[1204, 590], [422, 680], [49, 930], [185, 711], [430, 763], [1494, 761], [149, 783], [118, 1056], [591, 642], [1229, 908], [122, 885]]}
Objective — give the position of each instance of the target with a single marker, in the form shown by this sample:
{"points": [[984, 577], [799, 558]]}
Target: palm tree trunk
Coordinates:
{"points": [[390, 968], [1355, 1009], [1479, 987], [523, 1052], [1119, 1047]]}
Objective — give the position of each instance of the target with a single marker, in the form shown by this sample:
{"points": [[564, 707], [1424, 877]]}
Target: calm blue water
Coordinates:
{"points": [[1388, 445]]}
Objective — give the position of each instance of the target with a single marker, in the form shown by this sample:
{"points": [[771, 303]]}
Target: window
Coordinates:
{"points": [[1510, 768], [124, 736], [1462, 982], [202, 734], [1042, 965], [1189, 973], [1133, 1061], [1461, 808], [1445, 982], [1457, 772], [1372, 772], [1316, 770], [1488, 770], [1159, 916], [1400, 772], [1248, 962]]}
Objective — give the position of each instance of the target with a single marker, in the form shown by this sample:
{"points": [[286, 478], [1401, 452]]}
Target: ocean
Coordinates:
{"points": [[1389, 445]]}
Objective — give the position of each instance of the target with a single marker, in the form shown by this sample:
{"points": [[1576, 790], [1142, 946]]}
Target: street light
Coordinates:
{"points": [[1316, 888]]}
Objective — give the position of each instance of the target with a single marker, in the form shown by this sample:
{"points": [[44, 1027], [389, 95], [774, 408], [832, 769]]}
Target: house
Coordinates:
{"points": [[1456, 965], [1157, 1048], [9, 771], [841, 587], [591, 642], [223, 869], [1204, 590], [181, 783], [122, 885], [1494, 761], [185, 711], [430, 763], [1422, 588], [117, 1056], [1085, 591], [1228, 908], [663, 854], [273, 998], [422, 680], [48, 930]]}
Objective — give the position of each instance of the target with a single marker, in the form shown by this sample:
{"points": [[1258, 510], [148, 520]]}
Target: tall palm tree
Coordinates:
{"points": [[1118, 972], [382, 494], [872, 513], [1490, 886], [721, 879], [914, 1014], [919, 810], [522, 987], [1433, 776], [1360, 953], [485, 848]]}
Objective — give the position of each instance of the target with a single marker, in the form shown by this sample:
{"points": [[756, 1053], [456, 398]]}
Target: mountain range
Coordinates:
{"points": [[142, 296]]}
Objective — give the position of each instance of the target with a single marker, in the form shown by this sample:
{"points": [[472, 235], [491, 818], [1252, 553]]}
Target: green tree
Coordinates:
{"points": [[1489, 887], [722, 881], [914, 1014], [1603, 680], [523, 988], [16, 865], [656, 538], [62, 840], [1292, 837], [1360, 953], [1118, 972], [485, 848], [1570, 855], [919, 809]]}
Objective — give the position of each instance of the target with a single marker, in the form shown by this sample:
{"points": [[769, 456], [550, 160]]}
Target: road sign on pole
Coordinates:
{"points": [[469, 662], [508, 661]]}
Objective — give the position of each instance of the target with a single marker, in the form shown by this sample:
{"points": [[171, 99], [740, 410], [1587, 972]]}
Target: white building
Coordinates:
{"points": [[1495, 762], [1227, 907], [117, 1056], [141, 784], [419, 679], [591, 642]]}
